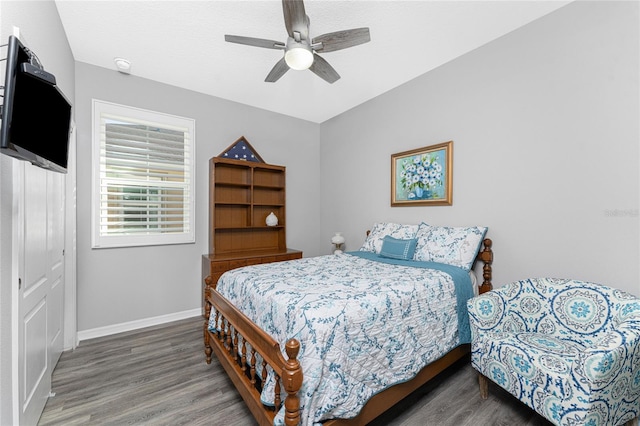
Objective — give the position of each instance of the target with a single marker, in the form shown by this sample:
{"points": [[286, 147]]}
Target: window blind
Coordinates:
{"points": [[145, 179]]}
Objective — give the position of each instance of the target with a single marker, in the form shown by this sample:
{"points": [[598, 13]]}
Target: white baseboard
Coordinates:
{"points": [[137, 324]]}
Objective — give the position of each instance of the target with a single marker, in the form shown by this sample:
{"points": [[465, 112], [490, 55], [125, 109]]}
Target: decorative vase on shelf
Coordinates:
{"points": [[337, 240], [272, 220]]}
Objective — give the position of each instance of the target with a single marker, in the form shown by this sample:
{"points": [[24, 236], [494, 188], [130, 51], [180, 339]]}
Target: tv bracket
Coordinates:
{"points": [[2, 87], [32, 68]]}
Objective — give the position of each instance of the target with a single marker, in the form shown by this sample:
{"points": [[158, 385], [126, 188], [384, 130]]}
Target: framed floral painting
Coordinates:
{"points": [[423, 176]]}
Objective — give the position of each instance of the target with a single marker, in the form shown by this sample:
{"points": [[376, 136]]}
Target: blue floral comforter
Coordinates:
{"points": [[363, 324]]}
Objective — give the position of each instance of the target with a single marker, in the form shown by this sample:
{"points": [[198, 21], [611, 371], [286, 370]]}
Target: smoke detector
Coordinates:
{"points": [[122, 65]]}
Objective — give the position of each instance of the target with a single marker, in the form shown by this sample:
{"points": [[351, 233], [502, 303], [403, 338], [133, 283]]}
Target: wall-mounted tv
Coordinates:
{"points": [[36, 116]]}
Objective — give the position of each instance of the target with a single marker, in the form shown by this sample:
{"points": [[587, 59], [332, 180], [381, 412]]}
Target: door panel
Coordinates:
{"points": [[36, 382], [41, 272], [56, 221], [34, 230]]}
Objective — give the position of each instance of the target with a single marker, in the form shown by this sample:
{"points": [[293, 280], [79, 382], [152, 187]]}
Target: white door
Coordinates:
{"points": [[41, 283]]}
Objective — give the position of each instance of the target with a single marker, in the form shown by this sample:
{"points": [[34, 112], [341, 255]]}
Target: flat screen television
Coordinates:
{"points": [[36, 116]]}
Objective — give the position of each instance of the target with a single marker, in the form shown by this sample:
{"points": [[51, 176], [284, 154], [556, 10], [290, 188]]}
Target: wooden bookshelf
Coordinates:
{"points": [[242, 195]]}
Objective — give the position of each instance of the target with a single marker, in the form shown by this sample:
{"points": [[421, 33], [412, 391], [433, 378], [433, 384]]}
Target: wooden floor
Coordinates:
{"points": [[157, 376]]}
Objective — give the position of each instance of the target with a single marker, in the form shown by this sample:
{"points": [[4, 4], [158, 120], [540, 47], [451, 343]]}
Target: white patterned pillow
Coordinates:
{"points": [[453, 246], [373, 243]]}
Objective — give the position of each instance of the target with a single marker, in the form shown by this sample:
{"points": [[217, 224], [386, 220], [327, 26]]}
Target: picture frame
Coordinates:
{"points": [[423, 176]]}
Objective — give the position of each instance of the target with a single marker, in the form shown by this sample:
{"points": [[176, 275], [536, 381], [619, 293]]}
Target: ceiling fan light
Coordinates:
{"points": [[299, 57]]}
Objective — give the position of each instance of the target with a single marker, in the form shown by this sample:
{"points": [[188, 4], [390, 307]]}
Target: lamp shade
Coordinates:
{"points": [[337, 239]]}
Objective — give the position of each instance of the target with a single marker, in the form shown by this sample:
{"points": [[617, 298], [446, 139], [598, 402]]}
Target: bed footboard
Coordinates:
{"points": [[238, 345]]}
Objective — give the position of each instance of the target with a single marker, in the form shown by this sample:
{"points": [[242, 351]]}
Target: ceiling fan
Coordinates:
{"points": [[300, 51]]}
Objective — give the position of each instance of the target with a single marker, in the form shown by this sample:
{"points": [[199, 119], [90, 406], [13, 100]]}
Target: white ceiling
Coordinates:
{"points": [[182, 43]]}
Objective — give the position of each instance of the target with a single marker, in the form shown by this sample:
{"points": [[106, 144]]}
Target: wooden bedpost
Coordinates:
{"points": [[207, 306], [292, 380], [207, 312], [486, 255]]}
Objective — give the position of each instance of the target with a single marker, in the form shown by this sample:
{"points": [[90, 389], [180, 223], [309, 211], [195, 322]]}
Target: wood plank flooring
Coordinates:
{"points": [[157, 376]]}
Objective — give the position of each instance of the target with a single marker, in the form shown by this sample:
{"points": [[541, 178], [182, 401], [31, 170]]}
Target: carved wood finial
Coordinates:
{"points": [[210, 282], [292, 380], [292, 348]]}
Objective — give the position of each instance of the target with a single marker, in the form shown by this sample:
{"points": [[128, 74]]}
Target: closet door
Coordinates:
{"points": [[40, 233]]}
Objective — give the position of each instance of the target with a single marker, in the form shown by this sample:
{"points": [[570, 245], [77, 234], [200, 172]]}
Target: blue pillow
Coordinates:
{"points": [[398, 249]]}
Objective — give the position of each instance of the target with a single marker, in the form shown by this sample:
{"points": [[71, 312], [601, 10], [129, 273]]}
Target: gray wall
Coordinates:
{"points": [[41, 30], [127, 284], [545, 128]]}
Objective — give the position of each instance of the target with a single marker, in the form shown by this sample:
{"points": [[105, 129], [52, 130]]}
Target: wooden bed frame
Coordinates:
{"points": [[235, 331]]}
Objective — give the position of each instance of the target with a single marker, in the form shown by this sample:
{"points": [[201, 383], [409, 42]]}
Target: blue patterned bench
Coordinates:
{"points": [[568, 349]]}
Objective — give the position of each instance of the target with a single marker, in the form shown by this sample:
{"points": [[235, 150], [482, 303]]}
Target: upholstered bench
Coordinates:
{"points": [[568, 349]]}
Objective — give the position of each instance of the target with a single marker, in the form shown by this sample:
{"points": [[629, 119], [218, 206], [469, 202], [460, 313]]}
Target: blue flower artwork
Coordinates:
{"points": [[422, 175]]}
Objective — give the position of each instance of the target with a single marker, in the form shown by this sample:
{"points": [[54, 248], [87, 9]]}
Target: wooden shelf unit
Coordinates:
{"points": [[242, 195]]}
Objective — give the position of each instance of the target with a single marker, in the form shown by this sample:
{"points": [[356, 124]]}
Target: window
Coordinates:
{"points": [[143, 177]]}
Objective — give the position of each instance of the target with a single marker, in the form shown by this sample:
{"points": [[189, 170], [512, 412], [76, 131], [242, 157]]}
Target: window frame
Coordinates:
{"points": [[101, 108]]}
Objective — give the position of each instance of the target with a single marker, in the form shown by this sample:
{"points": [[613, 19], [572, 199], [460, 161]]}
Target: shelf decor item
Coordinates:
{"points": [[337, 240], [272, 220], [423, 176], [242, 150]]}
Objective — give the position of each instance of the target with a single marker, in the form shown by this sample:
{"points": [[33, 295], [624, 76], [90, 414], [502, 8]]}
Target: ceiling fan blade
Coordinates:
{"points": [[322, 69], [342, 39], [257, 42], [278, 70], [295, 18]]}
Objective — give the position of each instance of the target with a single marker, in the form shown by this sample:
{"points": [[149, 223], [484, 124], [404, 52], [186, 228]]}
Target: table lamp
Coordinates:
{"points": [[337, 240]]}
